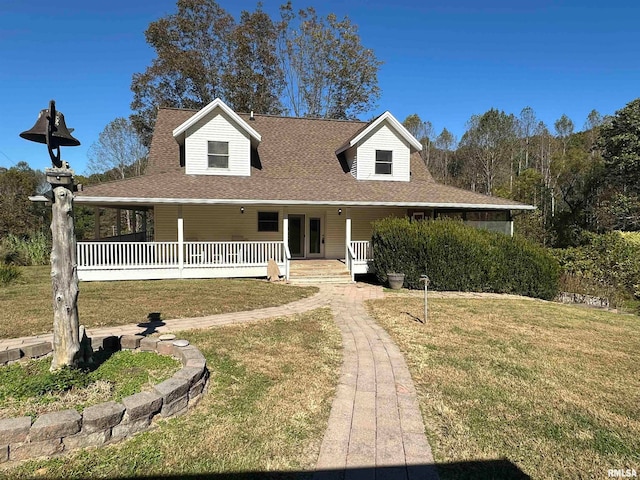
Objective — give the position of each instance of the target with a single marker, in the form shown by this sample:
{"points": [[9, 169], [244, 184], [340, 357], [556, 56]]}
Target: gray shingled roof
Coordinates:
{"points": [[296, 163]]}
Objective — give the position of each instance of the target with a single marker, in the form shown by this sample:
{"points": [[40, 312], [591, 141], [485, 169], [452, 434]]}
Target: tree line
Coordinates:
{"points": [[579, 180]]}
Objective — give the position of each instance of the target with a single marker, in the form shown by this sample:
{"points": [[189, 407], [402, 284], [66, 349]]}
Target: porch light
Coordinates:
{"points": [[339, 211], [241, 209]]}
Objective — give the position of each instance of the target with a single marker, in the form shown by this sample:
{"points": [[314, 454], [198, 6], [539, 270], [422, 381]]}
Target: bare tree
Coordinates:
{"points": [[445, 142], [119, 153]]}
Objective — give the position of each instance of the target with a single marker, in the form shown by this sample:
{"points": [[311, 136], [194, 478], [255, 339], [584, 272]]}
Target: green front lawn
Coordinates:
{"points": [[271, 387], [553, 389], [26, 306]]}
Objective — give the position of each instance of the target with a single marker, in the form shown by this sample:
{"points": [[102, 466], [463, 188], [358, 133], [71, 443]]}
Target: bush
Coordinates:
{"points": [[27, 251], [608, 261], [8, 274], [461, 258]]}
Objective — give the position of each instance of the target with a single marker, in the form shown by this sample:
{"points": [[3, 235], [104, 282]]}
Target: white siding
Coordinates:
{"points": [[383, 138], [217, 127]]}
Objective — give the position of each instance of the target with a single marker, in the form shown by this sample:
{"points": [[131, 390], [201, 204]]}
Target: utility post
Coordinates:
{"points": [[51, 130]]}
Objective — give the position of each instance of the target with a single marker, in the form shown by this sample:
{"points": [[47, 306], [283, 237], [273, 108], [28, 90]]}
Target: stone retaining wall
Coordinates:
{"points": [[589, 300], [109, 422]]}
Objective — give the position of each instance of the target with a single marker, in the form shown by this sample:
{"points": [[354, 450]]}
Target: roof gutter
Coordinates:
{"points": [[236, 201]]}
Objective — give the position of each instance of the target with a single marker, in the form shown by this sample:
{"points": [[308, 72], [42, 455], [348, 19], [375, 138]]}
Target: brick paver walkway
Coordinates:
{"points": [[375, 427]]}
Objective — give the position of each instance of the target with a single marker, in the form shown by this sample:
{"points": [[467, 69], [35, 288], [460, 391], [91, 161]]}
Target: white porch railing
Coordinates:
{"points": [[199, 254], [360, 254], [126, 255], [149, 260]]}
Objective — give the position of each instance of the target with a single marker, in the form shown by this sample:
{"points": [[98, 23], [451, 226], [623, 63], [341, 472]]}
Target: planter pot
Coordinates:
{"points": [[396, 280]]}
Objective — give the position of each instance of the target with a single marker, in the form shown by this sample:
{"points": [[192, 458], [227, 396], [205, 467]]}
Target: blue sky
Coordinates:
{"points": [[443, 60]]}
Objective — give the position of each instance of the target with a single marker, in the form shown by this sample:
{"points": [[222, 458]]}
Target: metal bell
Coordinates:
{"points": [[60, 135]]}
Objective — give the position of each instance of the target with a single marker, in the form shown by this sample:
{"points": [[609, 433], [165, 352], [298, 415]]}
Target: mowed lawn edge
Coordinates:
{"points": [[551, 389], [26, 306]]}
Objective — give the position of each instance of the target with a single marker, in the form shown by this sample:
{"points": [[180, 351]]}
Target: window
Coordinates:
{"points": [[268, 221], [383, 162], [218, 154]]}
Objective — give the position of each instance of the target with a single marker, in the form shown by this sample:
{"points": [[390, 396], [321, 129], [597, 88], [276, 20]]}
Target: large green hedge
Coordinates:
{"points": [[462, 258]]}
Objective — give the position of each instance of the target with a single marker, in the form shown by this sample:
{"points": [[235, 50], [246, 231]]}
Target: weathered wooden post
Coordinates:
{"points": [[51, 129], [425, 279]]}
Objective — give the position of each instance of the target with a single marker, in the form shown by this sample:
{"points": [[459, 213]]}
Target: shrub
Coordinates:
{"points": [[607, 261], [457, 257], [8, 274], [27, 251]]}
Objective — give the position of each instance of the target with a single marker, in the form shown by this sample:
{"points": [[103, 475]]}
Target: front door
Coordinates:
{"points": [[296, 235], [316, 238]]}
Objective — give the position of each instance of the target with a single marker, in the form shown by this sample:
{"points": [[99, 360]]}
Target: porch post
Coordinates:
{"points": [[96, 223], [118, 222], [347, 234], [285, 226], [180, 240], [144, 225], [510, 218]]}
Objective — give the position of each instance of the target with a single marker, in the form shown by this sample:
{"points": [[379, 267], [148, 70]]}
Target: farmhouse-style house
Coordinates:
{"points": [[231, 191]]}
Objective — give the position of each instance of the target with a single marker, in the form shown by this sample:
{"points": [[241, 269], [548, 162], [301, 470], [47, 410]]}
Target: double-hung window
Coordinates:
{"points": [[383, 162], [268, 221], [218, 153]]}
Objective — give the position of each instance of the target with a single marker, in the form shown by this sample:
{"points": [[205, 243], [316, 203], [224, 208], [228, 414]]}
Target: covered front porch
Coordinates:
{"points": [[195, 241], [239, 240]]}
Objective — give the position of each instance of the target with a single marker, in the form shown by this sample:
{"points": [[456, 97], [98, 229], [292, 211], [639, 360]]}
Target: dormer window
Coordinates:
{"points": [[383, 162], [218, 154]]}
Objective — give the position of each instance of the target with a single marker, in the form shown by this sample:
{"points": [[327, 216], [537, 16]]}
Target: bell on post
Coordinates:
{"points": [[60, 135]]}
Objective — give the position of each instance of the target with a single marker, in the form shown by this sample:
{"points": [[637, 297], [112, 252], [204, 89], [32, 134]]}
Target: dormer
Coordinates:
{"points": [[216, 141], [381, 151]]}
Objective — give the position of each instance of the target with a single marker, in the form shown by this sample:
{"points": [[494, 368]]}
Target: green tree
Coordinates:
{"points": [[193, 53], [18, 215], [299, 63], [253, 80], [620, 142], [328, 72]]}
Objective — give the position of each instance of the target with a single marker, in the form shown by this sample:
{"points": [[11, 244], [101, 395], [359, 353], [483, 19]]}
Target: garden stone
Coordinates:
{"points": [[172, 389], [55, 425], [108, 343], [171, 409], [14, 430], [130, 342], [148, 344], [4, 453], [181, 343], [102, 416], [165, 348], [36, 350], [196, 389], [141, 405], [191, 374], [45, 448], [127, 429], [82, 440], [10, 355], [166, 336]]}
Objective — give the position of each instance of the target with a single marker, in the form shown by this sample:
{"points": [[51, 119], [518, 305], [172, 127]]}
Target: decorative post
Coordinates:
{"points": [[425, 279], [51, 129]]}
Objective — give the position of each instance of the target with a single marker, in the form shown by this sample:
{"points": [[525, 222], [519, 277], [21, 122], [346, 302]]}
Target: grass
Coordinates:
{"points": [[26, 305], [30, 389], [272, 383], [553, 389]]}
